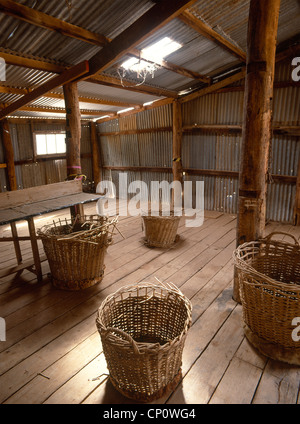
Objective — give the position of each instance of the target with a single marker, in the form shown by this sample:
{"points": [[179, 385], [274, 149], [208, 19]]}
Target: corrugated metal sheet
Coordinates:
{"points": [[43, 171], [209, 150], [103, 17]]}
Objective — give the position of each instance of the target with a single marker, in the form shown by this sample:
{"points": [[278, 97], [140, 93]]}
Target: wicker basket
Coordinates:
{"points": [[143, 329], [269, 283], [76, 251], [161, 231]]}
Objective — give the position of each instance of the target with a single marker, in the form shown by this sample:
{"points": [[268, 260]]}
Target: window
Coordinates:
{"points": [[50, 143]]}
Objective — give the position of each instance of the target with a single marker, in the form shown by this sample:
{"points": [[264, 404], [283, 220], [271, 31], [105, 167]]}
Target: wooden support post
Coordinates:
{"points": [[296, 218], [256, 133], [177, 136], [9, 156], [11, 180], [95, 154], [73, 136]]}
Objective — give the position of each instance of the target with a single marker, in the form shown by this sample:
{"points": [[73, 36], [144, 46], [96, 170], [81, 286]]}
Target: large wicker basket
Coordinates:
{"points": [[143, 329], [269, 283], [160, 230], [76, 250]]}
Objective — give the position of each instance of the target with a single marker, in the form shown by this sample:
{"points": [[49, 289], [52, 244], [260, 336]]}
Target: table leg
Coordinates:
{"points": [[14, 233], [35, 249]]}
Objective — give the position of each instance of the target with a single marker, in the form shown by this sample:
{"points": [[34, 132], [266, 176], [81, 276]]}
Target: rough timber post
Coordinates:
{"points": [[9, 156], [296, 218], [95, 154], [177, 137], [12, 180], [73, 136], [256, 134]]}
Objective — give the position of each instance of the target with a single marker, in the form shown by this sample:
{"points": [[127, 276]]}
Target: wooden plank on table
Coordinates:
{"points": [[45, 206], [14, 198], [10, 215]]}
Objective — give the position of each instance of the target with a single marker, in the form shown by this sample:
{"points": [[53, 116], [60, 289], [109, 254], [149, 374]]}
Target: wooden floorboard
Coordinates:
{"points": [[53, 354]]}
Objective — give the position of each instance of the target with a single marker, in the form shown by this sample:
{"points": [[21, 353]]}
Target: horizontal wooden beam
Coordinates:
{"points": [[201, 172], [35, 17], [131, 86], [214, 87], [48, 158], [63, 111], [156, 104], [25, 62], [137, 131], [48, 22], [17, 60], [292, 130], [67, 76], [171, 67], [150, 22], [205, 30]]}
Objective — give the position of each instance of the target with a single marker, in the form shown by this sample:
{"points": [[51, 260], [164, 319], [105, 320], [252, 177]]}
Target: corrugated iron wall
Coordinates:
{"points": [[214, 150], [30, 173]]}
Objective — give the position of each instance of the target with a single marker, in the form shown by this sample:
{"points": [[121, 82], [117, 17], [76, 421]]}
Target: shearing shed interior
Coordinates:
{"points": [[108, 108]]}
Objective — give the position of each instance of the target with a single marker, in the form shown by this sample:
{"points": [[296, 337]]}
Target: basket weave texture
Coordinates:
{"points": [[76, 251], [143, 328], [160, 230], [269, 283]]}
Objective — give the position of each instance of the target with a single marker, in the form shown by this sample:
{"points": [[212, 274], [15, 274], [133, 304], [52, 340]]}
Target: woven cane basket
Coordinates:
{"points": [[143, 329], [76, 250], [161, 231], [269, 284]]}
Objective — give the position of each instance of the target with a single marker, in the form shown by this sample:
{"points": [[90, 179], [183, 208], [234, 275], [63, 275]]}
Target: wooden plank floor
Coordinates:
{"points": [[53, 355]]}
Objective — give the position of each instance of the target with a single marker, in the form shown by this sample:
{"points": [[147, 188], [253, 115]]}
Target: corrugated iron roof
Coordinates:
{"points": [[110, 18]]}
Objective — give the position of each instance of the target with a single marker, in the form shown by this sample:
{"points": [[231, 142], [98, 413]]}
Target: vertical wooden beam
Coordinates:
{"points": [[256, 134], [177, 137], [73, 129], [95, 154], [73, 136], [296, 218], [9, 156], [11, 180]]}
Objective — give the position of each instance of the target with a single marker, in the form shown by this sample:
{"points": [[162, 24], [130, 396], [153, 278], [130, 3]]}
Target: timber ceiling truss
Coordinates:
{"points": [[112, 51]]}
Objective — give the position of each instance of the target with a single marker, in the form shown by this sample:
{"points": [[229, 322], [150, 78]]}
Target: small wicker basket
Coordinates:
{"points": [[269, 284], [76, 250], [143, 329], [160, 230]]}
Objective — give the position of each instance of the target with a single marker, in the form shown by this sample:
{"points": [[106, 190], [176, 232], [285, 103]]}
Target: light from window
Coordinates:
{"points": [[156, 53], [50, 143]]}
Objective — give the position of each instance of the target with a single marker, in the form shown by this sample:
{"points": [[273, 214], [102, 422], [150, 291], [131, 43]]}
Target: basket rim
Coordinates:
{"points": [[141, 347], [97, 228], [247, 269]]}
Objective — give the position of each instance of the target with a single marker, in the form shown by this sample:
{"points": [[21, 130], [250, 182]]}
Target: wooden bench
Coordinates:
{"points": [[25, 204]]}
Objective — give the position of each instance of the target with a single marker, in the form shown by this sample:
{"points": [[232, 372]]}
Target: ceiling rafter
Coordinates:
{"points": [[82, 99], [69, 75], [35, 17], [45, 21], [18, 60], [158, 16], [63, 110], [205, 30]]}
